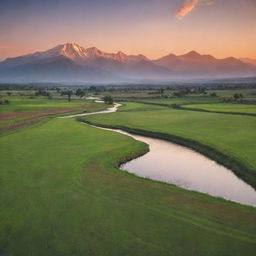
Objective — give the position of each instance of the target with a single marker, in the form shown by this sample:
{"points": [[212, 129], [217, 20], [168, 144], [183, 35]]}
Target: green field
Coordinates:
{"points": [[134, 106], [248, 93], [22, 104], [63, 194], [168, 97], [66, 197], [233, 108], [231, 135], [22, 111], [182, 100]]}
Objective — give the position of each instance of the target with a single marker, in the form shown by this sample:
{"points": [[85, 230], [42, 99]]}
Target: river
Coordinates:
{"points": [[183, 167]]}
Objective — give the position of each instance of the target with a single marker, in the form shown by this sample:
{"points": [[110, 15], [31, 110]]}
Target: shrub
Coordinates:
{"points": [[4, 102], [108, 100]]}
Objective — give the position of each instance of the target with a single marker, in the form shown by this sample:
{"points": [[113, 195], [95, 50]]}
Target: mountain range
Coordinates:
{"points": [[249, 61], [73, 63]]}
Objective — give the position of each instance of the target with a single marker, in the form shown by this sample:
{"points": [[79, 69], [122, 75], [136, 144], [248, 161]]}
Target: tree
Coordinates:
{"points": [[178, 94], [237, 96], [92, 88], [80, 92], [161, 90], [42, 92], [108, 100], [213, 94], [4, 102], [69, 93]]}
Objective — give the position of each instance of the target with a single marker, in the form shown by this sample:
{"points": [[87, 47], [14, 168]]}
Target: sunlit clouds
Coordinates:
{"points": [[189, 5]]}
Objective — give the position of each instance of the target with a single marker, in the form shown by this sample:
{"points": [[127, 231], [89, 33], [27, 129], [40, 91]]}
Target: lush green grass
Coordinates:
{"points": [[23, 111], [61, 194], [183, 100], [136, 93], [148, 95], [231, 135], [230, 93], [22, 104], [235, 108], [134, 106]]}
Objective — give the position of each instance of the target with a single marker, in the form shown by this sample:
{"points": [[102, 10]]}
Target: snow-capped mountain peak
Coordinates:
{"points": [[79, 60], [70, 50], [79, 54]]}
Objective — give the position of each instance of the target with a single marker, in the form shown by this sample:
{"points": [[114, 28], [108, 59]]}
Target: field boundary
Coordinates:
{"points": [[147, 103], [239, 169], [181, 107]]}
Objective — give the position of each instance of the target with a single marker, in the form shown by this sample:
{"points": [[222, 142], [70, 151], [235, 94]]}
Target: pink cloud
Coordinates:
{"points": [[189, 5]]}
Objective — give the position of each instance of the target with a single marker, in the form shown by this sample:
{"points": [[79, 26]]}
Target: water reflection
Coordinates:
{"points": [[185, 168]]}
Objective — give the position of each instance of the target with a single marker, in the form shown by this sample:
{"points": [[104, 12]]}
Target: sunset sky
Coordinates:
{"points": [[151, 27]]}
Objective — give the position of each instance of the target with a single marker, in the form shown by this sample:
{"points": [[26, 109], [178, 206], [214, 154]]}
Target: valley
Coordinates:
{"points": [[72, 183], [127, 128]]}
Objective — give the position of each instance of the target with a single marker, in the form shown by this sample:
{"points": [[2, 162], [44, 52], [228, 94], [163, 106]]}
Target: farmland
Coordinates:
{"points": [[24, 111], [228, 108], [63, 194]]}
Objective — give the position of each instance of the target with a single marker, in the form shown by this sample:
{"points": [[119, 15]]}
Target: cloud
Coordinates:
{"points": [[206, 2], [189, 5]]}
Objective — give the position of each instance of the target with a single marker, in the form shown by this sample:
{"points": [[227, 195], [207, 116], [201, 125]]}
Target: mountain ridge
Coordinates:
{"points": [[93, 64], [249, 61]]}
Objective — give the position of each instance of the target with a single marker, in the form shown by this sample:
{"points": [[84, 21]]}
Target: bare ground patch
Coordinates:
{"points": [[9, 127], [5, 116], [34, 116]]}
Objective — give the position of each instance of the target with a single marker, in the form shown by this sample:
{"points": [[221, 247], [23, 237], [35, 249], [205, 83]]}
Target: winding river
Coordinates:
{"points": [[181, 166]]}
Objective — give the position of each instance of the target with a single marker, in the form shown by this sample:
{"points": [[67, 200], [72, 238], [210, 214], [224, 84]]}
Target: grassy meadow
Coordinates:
{"points": [[67, 197], [183, 100], [22, 111], [63, 194], [233, 136], [168, 97], [25, 104], [233, 108]]}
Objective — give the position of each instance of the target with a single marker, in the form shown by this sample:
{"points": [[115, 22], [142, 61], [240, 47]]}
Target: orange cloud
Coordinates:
{"points": [[186, 8], [189, 5]]}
